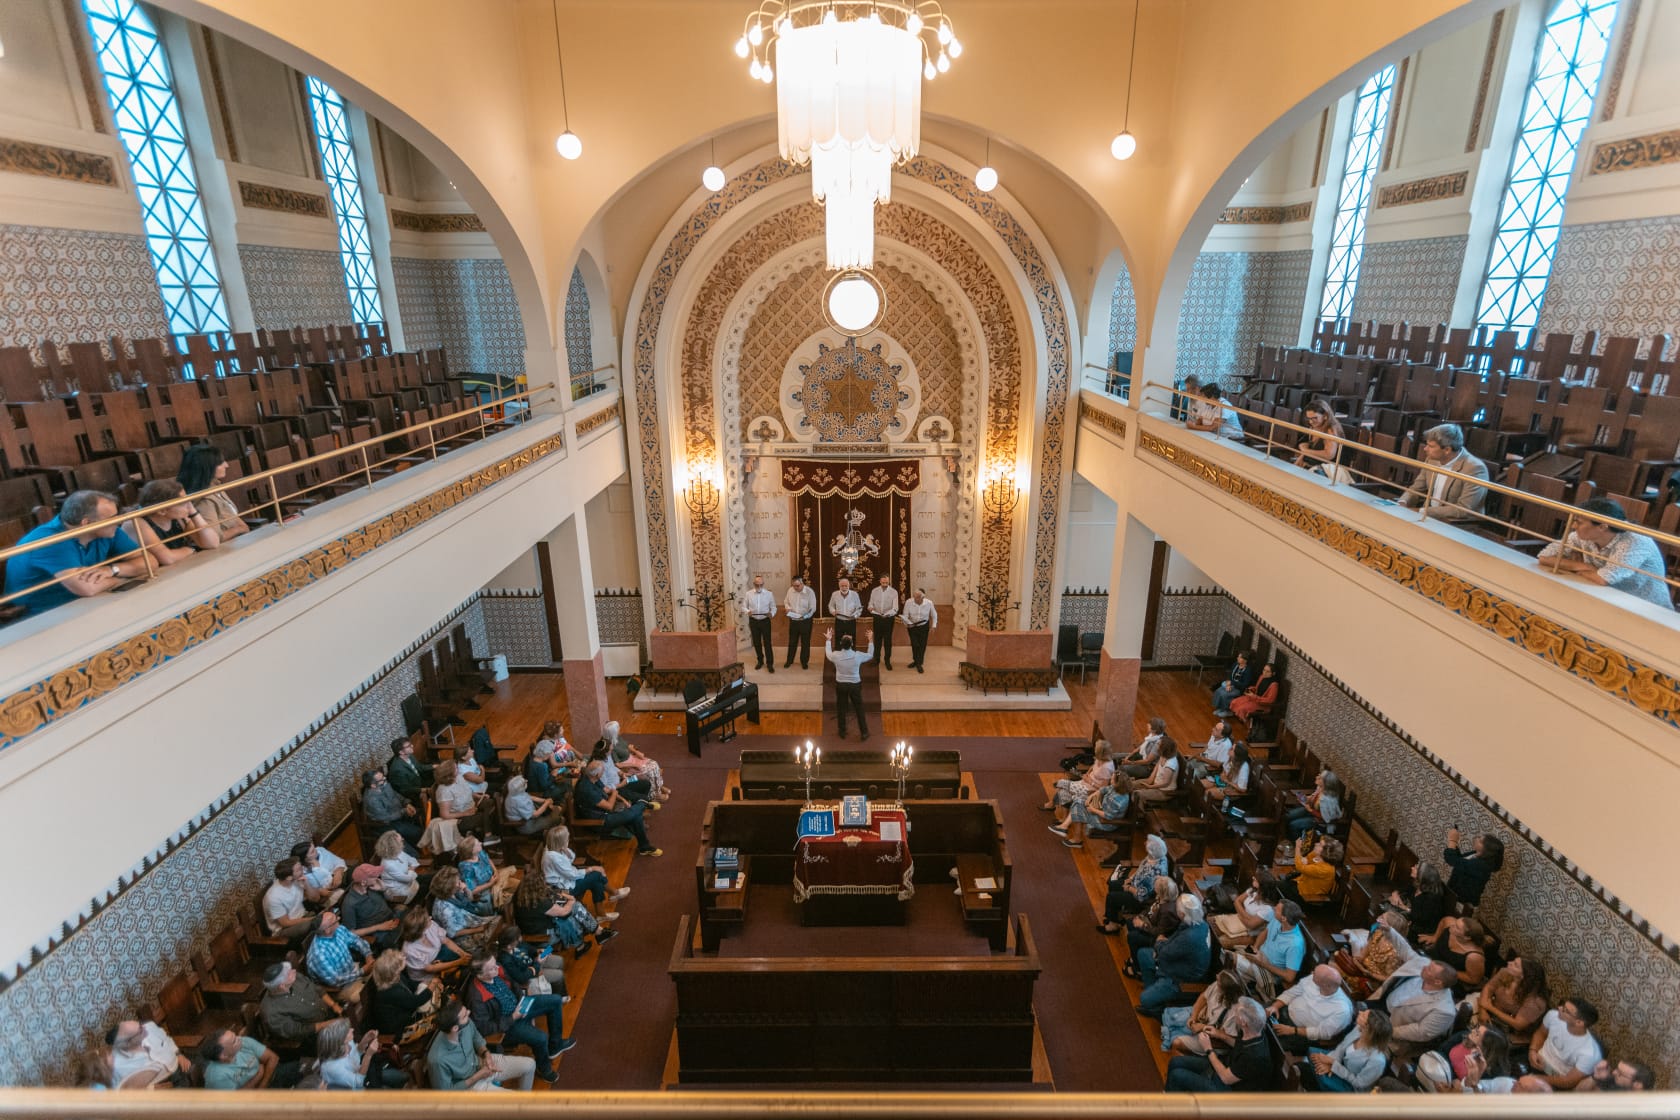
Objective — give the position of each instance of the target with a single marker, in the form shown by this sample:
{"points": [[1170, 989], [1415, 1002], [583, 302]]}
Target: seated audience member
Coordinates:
{"points": [[1384, 948], [1210, 1016], [1242, 676], [283, 902], [1162, 783], [1156, 922], [1246, 1067], [632, 763], [203, 465], [427, 950], [1179, 958], [496, 1009], [1259, 698], [1129, 895], [1312, 1010], [459, 1059], [1212, 414], [1315, 871], [469, 768], [1426, 904], [408, 777], [481, 883], [1563, 1050], [529, 816], [388, 809], [1479, 1063], [542, 776], [172, 534], [393, 1002], [365, 910], [541, 909], [346, 1065], [595, 802], [1250, 913], [1232, 779], [144, 1054], [1515, 999], [236, 1061], [635, 791], [323, 872], [1625, 1076], [1319, 451], [1069, 790], [1357, 1063], [1441, 496], [336, 955], [1601, 553], [1461, 943], [1323, 807], [524, 965], [1470, 873], [456, 801], [92, 562], [1141, 762], [1419, 1001], [1102, 811], [452, 911], [1275, 959], [398, 877], [1216, 752], [560, 868], [293, 1006]]}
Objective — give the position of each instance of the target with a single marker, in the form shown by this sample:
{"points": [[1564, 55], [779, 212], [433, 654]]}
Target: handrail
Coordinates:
{"points": [[276, 499]]}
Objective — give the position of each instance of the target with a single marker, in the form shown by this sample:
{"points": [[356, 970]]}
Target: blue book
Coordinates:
{"points": [[816, 822], [854, 811]]}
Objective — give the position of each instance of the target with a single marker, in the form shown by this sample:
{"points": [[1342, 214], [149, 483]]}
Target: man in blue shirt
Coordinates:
{"points": [[1275, 960], [336, 954], [83, 564]]}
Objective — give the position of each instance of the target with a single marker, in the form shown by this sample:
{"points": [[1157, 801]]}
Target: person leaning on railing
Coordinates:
{"points": [[203, 465], [174, 533], [1443, 496], [1598, 551], [90, 563], [1210, 413]]}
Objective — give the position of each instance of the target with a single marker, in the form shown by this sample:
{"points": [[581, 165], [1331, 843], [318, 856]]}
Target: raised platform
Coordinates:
{"points": [[902, 689]]}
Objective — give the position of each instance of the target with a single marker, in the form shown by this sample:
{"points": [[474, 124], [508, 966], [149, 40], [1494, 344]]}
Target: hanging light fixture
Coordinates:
{"points": [[1125, 144], [986, 179], [567, 143], [849, 99], [713, 177]]}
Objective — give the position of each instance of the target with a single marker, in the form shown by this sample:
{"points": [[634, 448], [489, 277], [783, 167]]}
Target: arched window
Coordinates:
{"points": [[338, 165], [580, 353], [1555, 112], [1364, 153], [149, 125]]}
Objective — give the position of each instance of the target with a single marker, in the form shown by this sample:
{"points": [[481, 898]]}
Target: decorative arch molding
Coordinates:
{"points": [[663, 275]]}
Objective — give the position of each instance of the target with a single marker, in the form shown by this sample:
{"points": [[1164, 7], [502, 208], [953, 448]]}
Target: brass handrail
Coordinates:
{"points": [[244, 482]]}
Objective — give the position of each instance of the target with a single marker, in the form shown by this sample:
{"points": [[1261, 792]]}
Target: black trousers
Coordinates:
{"points": [[799, 638], [918, 643], [883, 639], [763, 652], [849, 693], [844, 628]]}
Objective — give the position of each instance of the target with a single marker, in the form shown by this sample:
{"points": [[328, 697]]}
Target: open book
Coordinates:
{"points": [[986, 884], [891, 830]]}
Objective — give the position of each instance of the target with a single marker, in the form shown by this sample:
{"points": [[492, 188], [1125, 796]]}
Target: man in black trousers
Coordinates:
{"points": [[848, 683], [883, 609]]}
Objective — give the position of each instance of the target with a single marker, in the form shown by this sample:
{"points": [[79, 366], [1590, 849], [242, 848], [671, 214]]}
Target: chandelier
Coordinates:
{"points": [[848, 82]]}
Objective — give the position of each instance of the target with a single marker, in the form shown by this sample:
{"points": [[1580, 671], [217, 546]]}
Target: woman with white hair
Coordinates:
{"points": [[1132, 895], [632, 763], [528, 815], [1180, 958]]}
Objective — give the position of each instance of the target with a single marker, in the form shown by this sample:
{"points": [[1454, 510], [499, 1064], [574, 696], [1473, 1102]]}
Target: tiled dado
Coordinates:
{"points": [[29, 710], [1612, 672]]}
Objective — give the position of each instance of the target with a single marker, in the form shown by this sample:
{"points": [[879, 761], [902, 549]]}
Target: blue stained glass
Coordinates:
{"points": [[344, 184], [1556, 110], [1364, 154], [148, 123]]}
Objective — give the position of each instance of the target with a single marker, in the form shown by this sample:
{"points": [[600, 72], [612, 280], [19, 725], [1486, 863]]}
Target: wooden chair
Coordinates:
{"points": [[229, 978]]}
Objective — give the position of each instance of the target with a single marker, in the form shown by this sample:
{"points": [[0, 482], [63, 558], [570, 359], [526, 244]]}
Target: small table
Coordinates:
{"points": [[856, 864]]}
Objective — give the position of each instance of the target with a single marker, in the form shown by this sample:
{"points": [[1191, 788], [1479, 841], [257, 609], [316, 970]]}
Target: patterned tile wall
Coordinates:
{"points": [[68, 284], [294, 287], [1537, 906], [115, 962], [1087, 611], [1410, 281], [1234, 302], [580, 354], [467, 306], [1617, 278], [618, 619], [1186, 625], [1122, 316], [515, 626]]}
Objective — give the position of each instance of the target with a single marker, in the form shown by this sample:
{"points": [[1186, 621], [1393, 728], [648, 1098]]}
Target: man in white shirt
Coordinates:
{"points": [[883, 608], [844, 607], [848, 683], [800, 603], [1217, 751], [919, 620], [1420, 1006], [1319, 1012], [283, 902], [145, 1052], [760, 606], [1563, 1050]]}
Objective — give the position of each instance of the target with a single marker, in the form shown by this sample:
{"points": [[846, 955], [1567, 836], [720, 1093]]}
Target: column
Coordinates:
{"points": [[571, 603], [1128, 592]]}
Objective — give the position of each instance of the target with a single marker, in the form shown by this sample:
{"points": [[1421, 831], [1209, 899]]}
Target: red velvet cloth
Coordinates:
{"points": [[856, 861]]}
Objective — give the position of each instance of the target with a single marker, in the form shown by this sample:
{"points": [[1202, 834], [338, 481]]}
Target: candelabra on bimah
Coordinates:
{"points": [[706, 598], [994, 604], [902, 753], [810, 757]]}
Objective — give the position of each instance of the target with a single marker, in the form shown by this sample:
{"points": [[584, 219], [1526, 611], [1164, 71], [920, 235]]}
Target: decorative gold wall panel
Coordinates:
{"points": [[600, 419], [1636, 153], [28, 158], [262, 196], [1433, 189], [1103, 420], [1265, 215], [414, 222]]}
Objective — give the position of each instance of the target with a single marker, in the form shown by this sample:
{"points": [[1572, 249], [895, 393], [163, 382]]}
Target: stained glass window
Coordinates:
{"points": [[1364, 153], [1555, 112], [338, 164], [148, 122]]}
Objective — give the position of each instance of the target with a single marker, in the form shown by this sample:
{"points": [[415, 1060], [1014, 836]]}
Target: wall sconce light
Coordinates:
{"points": [[1001, 495], [702, 496]]}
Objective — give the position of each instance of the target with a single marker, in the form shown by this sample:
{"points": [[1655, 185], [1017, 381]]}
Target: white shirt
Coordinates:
{"points": [[845, 604], [156, 1052], [883, 602], [800, 602], [282, 900], [846, 662], [345, 1072], [1217, 752], [1565, 1052], [917, 613], [759, 603], [1319, 1016]]}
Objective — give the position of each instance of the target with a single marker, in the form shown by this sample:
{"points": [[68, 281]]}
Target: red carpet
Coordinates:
{"points": [[1091, 1036]]}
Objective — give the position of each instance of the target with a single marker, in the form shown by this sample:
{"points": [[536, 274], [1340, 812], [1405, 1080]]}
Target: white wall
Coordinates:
{"points": [[611, 520], [1090, 535]]}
